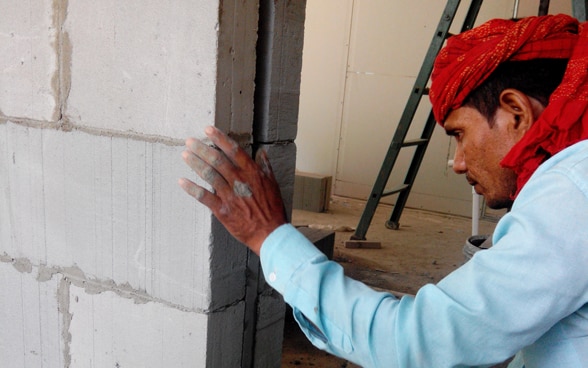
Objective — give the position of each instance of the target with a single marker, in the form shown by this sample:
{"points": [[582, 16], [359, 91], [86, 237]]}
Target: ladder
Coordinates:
{"points": [[398, 141], [580, 11]]}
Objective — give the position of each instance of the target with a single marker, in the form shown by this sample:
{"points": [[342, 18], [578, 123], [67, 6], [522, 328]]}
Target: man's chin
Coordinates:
{"points": [[498, 204]]}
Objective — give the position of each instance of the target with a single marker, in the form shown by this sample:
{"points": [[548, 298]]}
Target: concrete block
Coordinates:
{"points": [[312, 192], [22, 219], [143, 67], [236, 51], [280, 48], [28, 60], [228, 268], [270, 330], [224, 341], [108, 330], [270, 311], [120, 215], [324, 240], [362, 244], [31, 333], [108, 208]]}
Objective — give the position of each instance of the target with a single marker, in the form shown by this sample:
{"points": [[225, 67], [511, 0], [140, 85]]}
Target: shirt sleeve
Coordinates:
{"points": [[502, 300]]}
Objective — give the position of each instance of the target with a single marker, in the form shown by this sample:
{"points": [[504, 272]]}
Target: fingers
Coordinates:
{"points": [[193, 157], [230, 148], [246, 197], [200, 194]]}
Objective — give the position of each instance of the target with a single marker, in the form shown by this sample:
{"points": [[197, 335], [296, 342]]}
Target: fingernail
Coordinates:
{"points": [[195, 191], [209, 130]]}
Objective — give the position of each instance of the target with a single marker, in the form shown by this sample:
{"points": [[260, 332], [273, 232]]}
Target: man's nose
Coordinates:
{"points": [[459, 165]]}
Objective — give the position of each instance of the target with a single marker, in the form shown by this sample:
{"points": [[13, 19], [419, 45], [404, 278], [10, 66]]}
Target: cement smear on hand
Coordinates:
{"points": [[241, 189]]}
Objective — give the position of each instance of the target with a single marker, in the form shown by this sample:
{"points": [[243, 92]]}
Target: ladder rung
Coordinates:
{"points": [[414, 142], [425, 91], [396, 190]]}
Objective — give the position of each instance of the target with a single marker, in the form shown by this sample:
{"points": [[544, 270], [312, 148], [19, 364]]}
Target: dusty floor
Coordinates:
{"points": [[425, 248]]}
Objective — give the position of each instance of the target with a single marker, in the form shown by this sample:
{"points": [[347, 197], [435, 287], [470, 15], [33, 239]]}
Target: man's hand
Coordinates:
{"points": [[246, 197]]}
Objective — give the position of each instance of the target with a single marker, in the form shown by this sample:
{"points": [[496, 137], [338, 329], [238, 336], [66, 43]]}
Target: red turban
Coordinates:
{"points": [[470, 57]]}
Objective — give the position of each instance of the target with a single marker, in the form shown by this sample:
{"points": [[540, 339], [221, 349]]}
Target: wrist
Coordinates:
{"points": [[259, 238]]}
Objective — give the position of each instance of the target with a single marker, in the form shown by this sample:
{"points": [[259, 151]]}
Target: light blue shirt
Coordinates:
{"points": [[526, 294]]}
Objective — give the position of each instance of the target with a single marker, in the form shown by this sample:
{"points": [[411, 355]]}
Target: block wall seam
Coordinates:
{"points": [[74, 275], [98, 132], [63, 309], [62, 81]]}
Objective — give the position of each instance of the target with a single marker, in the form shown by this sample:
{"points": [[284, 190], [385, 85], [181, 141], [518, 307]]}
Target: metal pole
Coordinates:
{"points": [[515, 9], [475, 212]]}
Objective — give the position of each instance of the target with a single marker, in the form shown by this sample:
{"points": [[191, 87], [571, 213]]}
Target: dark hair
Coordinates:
{"points": [[536, 78]]}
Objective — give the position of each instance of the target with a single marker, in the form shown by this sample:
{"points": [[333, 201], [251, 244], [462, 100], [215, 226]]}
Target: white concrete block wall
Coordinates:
{"points": [[104, 261], [128, 230]]}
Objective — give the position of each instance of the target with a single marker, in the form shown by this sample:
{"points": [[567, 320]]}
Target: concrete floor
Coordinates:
{"points": [[425, 248]]}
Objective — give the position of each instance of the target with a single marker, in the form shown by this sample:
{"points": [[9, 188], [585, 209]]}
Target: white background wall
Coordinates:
{"points": [[361, 58]]}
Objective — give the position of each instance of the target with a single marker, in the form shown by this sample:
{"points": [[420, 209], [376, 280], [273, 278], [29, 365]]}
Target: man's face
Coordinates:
{"points": [[480, 148]]}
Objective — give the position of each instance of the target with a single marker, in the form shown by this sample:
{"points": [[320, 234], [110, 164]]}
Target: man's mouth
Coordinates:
{"points": [[470, 180], [474, 184]]}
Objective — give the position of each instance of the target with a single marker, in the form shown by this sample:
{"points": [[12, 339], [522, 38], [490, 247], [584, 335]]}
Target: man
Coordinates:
{"points": [[521, 145]]}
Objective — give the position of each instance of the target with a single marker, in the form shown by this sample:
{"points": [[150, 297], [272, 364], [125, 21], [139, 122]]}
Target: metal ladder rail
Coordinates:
{"points": [[394, 220], [579, 9], [398, 140]]}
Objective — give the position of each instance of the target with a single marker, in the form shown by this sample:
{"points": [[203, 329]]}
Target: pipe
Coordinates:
{"points": [[515, 9], [475, 212]]}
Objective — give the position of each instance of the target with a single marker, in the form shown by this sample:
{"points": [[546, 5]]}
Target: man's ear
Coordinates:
{"points": [[524, 109]]}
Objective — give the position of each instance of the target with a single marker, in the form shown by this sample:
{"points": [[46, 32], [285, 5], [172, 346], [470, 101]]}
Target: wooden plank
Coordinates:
{"points": [[362, 244]]}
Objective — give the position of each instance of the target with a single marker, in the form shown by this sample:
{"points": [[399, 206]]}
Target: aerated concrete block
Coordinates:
{"points": [[28, 60], [225, 333], [32, 326], [145, 67], [278, 81], [109, 330], [236, 69], [312, 192], [270, 326]]}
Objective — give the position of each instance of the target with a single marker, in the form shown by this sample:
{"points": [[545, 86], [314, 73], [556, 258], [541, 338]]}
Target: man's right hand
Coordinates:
{"points": [[245, 198]]}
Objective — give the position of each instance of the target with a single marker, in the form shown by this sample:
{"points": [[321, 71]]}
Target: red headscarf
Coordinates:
{"points": [[470, 57]]}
